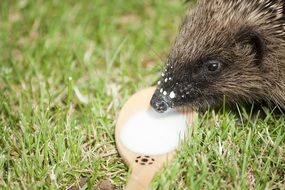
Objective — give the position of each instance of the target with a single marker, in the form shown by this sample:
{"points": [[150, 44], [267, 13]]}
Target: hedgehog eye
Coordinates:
{"points": [[213, 66]]}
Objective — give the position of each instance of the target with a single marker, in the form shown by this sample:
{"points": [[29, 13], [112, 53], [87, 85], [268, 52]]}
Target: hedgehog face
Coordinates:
{"points": [[205, 82], [188, 85], [213, 57]]}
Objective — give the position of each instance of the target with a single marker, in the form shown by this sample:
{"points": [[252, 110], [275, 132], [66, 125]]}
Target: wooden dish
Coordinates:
{"points": [[143, 167]]}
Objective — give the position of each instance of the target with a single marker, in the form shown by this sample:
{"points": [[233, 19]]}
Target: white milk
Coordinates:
{"points": [[152, 133]]}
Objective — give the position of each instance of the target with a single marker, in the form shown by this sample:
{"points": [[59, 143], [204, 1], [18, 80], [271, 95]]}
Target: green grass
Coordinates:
{"points": [[67, 67]]}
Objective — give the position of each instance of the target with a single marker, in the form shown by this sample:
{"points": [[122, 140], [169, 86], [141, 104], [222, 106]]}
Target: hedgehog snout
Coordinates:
{"points": [[159, 103]]}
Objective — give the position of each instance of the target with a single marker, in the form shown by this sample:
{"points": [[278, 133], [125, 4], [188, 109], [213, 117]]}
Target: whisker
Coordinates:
{"points": [[148, 44]]}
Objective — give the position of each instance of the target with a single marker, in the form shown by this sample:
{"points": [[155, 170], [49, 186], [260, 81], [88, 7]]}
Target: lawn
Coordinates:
{"points": [[67, 67]]}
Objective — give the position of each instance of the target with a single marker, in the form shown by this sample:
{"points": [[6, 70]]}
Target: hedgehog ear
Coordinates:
{"points": [[247, 36]]}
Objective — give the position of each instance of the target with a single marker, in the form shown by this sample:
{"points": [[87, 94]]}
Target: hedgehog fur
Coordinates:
{"points": [[226, 48]]}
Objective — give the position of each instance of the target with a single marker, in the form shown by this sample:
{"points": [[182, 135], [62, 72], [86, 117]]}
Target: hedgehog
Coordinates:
{"points": [[231, 50]]}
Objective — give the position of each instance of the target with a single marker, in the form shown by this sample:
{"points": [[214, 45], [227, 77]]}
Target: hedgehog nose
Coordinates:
{"points": [[159, 104]]}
